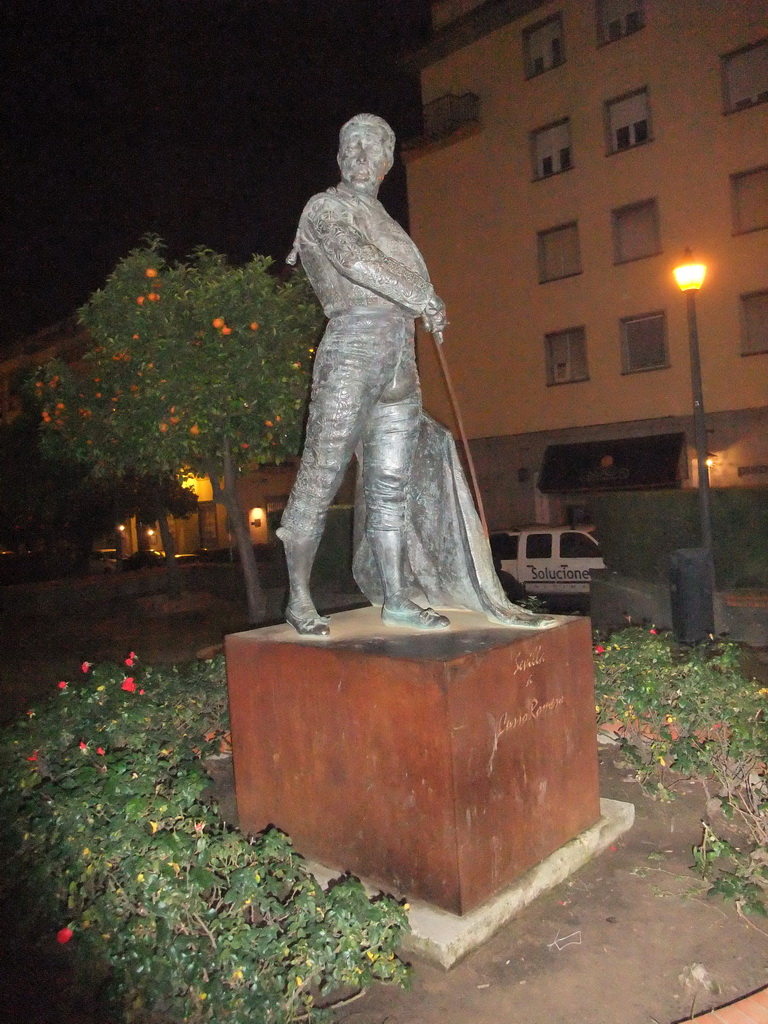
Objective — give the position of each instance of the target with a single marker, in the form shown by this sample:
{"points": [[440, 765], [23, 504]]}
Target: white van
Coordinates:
{"points": [[556, 560]]}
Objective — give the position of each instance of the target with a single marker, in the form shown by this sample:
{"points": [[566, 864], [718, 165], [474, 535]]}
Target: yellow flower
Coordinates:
{"points": [[140, 876], [154, 826]]}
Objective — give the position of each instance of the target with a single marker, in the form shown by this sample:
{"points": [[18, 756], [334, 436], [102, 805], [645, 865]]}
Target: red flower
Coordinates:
{"points": [[100, 750], [599, 650], [83, 745], [32, 756], [141, 692], [62, 685], [64, 935], [653, 631], [86, 665], [129, 684], [130, 659]]}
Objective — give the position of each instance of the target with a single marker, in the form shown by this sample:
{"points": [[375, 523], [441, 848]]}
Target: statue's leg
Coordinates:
{"points": [[398, 609], [300, 550], [389, 444], [345, 388]]}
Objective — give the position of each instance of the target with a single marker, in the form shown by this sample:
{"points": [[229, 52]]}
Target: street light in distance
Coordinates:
{"points": [[689, 276]]}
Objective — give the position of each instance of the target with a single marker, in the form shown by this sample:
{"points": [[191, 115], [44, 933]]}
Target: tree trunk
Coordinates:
{"points": [[172, 571], [229, 498], [171, 565]]}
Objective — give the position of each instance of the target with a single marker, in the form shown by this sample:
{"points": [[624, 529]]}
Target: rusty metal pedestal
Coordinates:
{"points": [[441, 766]]}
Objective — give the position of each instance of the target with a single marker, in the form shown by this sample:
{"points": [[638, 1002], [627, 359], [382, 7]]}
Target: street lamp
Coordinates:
{"points": [[692, 570], [689, 277]]}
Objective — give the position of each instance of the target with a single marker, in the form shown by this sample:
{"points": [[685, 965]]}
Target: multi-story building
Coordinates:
{"points": [[571, 152]]}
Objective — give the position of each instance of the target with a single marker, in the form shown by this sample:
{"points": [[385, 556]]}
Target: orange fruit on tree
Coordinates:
{"points": [[163, 427], [254, 326], [150, 272], [226, 330], [140, 300], [218, 322], [194, 429], [153, 296]]}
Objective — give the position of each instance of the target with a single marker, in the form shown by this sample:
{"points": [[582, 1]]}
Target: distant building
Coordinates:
{"points": [[570, 154]]}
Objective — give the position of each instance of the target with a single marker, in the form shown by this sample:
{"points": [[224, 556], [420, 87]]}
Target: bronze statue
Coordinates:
{"points": [[372, 283]]}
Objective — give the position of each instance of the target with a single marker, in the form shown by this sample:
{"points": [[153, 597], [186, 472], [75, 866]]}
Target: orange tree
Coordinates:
{"points": [[198, 368]]}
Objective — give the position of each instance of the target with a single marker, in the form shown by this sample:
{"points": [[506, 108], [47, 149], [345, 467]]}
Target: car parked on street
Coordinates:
{"points": [[551, 562]]}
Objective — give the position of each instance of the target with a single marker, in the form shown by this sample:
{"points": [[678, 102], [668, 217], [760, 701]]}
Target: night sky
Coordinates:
{"points": [[209, 123]]}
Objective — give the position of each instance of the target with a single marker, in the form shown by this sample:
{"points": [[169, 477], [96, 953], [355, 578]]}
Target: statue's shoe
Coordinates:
{"points": [[521, 619], [307, 622], [411, 614]]}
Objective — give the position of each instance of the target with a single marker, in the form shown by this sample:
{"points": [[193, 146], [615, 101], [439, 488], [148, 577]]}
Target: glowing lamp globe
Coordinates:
{"points": [[689, 276]]}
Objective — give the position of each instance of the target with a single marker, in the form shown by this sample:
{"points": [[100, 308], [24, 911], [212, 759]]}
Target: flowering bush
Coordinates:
{"points": [[114, 827], [692, 711]]}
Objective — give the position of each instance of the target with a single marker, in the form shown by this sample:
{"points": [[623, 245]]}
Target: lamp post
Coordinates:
{"points": [[692, 573], [689, 277]]}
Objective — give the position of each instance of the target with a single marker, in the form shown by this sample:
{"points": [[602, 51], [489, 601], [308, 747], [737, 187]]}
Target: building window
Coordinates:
{"points": [[618, 18], [636, 231], [543, 46], [644, 343], [559, 254], [750, 200], [552, 149], [745, 77], [754, 323], [566, 355], [629, 121]]}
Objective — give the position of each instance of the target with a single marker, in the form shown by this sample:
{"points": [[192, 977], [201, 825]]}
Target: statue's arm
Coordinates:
{"points": [[359, 260]]}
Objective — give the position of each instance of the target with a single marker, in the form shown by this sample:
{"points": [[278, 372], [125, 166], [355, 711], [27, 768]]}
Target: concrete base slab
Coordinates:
{"points": [[444, 938]]}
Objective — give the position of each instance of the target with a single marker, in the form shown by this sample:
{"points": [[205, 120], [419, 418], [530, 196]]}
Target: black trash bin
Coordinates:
{"points": [[691, 592]]}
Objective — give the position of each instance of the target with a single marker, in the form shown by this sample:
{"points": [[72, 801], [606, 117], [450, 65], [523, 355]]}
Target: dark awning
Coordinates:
{"points": [[627, 463]]}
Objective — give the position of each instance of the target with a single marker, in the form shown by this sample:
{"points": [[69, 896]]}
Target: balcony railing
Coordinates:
{"points": [[444, 118]]}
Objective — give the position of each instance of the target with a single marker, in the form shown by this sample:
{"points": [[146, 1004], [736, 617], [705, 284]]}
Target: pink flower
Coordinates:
{"points": [[64, 935], [599, 650], [32, 756], [141, 692], [62, 685], [100, 750], [129, 684], [86, 665], [652, 631]]}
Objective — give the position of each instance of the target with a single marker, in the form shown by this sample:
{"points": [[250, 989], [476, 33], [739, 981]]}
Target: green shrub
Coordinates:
{"points": [[692, 711], [106, 784], [638, 530]]}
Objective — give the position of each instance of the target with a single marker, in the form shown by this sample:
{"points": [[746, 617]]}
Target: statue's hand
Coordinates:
{"points": [[434, 316]]}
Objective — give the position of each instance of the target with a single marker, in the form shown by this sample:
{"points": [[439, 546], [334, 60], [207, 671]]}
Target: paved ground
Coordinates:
{"points": [[630, 939]]}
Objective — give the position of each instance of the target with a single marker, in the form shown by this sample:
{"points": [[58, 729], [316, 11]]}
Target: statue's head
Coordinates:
{"points": [[366, 151]]}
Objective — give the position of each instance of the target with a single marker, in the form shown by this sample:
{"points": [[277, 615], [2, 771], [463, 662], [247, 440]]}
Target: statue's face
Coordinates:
{"points": [[363, 159]]}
